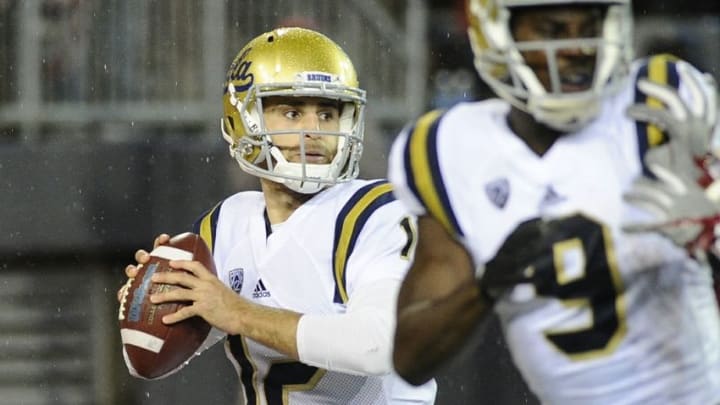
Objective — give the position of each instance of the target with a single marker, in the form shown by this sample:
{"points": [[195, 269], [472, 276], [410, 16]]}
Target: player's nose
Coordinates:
{"points": [[310, 123]]}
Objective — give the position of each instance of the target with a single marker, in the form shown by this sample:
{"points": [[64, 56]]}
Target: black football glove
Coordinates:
{"points": [[517, 259], [528, 255]]}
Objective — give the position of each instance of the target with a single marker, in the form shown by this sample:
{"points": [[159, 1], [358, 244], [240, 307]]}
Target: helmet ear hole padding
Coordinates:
{"points": [[347, 120], [347, 116]]}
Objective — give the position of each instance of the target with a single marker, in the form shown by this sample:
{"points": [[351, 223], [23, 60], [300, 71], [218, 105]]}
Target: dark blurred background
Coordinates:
{"points": [[109, 136]]}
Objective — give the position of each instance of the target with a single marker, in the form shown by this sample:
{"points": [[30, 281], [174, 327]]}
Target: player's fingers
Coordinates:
{"points": [[644, 113], [180, 315], [142, 256], [703, 92], [651, 189], [180, 278], [172, 295], [132, 270], [641, 227], [711, 93], [713, 192], [693, 83], [194, 267], [670, 179], [667, 95], [649, 199], [161, 240]]}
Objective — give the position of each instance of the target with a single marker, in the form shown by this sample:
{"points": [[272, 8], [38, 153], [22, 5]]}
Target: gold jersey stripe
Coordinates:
{"points": [[423, 174], [207, 226], [348, 226]]}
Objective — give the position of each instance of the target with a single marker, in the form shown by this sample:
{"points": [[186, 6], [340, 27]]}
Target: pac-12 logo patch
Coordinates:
{"points": [[236, 279], [498, 191]]}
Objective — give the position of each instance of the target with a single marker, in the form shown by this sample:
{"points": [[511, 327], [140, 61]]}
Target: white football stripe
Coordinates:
{"points": [[171, 253], [141, 339]]}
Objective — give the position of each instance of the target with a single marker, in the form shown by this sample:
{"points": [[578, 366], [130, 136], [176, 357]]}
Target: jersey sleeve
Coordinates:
{"points": [[416, 171], [369, 239], [384, 247], [206, 225]]}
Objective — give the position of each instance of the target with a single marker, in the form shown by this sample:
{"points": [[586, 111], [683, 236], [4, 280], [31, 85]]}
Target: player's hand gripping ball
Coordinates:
{"points": [[153, 348]]}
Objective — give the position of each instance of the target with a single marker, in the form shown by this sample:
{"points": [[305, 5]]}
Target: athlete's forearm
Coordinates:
{"points": [[429, 332], [273, 327]]}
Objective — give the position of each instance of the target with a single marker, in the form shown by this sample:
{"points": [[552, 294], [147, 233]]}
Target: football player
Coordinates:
{"points": [[309, 268], [570, 206]]}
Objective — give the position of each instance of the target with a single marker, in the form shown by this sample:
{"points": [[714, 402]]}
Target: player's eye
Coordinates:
{"points": [[551, 29], [592, 29], [291, 114]]}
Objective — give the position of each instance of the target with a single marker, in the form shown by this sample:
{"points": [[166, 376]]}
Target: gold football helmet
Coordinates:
{"points": [[499, 60], [292, 62]]}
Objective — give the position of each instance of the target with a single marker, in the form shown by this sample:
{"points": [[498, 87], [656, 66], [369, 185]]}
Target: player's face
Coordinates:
{"points": [[576, 64], [305, 114]]}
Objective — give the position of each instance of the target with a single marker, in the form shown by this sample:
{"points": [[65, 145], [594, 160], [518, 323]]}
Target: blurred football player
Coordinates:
{"points": [[308, 268], [571, 207]]}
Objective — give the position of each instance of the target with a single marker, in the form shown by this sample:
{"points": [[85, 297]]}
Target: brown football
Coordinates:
{"points": [[153, 348]]}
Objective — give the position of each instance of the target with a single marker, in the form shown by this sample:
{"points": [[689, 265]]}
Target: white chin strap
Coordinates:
{"points": [[290, 174]]}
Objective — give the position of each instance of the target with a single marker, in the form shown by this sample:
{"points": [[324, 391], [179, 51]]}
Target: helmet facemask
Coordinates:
{"points": [[499, 60], [257, 155]]}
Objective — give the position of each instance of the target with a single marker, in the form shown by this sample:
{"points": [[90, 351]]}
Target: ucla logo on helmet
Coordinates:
{"points": [[239, 74]]}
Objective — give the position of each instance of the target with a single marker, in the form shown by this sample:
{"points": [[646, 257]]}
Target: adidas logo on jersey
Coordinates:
{"points": [[551, 197], [260, 290]]}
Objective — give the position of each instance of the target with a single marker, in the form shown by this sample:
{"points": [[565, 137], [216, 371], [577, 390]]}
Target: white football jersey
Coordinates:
{"points": [[626, 319], [349, 235]]}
